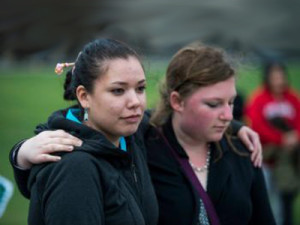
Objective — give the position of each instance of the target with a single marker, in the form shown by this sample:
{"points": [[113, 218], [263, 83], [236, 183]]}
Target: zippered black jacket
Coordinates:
{"points": [[95, 184], [160, 163]]}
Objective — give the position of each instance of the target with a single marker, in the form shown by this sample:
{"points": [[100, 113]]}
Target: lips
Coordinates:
{"points": [[220, 128], [132, 118]]}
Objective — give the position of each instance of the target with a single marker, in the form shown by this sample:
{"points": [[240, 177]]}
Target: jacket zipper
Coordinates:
{"points": [[133, 169]]}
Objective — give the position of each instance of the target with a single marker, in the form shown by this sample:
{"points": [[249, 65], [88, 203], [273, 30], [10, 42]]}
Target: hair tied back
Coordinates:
{"points": [[59, 69]]}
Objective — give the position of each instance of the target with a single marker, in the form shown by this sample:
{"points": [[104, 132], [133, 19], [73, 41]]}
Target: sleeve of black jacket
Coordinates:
{"points": [[262, 213], [21, 176], [66, 192], [235, 126]]}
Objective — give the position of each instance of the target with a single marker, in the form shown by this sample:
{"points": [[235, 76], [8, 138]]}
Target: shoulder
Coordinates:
{"points": [[260, 94], [78, 158], [77, 165], [76, 173], [237, 159], [238, 144], [145, 130], [144, 125], [236, 150], [292, 95]]}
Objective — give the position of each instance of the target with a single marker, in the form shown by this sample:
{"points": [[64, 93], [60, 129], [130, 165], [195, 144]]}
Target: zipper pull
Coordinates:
{"points": [[134, 173]]}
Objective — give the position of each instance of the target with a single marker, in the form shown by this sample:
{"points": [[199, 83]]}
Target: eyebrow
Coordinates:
{"points": [[216, 98], [125, 83]]}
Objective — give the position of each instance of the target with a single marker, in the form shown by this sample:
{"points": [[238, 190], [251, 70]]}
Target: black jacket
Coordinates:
{"points": [[95, 184], [236, 188], [165, 174]]}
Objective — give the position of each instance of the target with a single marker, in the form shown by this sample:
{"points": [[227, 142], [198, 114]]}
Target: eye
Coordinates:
{"points": [[231, 102], [118, 91], [212, 104], [141, 89]]}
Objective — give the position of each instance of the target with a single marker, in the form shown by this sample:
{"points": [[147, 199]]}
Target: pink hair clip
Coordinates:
{"points": [[59, 69]]}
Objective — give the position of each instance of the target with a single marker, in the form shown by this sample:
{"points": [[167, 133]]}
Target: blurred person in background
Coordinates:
{"points": [[273, 111], [221, 186]]}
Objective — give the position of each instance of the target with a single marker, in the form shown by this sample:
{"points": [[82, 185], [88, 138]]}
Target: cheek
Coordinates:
{"points": [[115, 109], [143, 101], [197, 120], [107, 108]]}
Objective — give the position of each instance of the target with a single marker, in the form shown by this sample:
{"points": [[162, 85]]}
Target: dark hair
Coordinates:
{"points": [[191, 67], [92, 63], [269, 67]]}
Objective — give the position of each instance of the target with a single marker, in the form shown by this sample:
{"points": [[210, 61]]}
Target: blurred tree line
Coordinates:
{"points": [[50, 28]]}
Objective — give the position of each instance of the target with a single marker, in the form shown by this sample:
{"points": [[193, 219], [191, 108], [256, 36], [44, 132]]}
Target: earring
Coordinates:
{"points": [[85, 115]]}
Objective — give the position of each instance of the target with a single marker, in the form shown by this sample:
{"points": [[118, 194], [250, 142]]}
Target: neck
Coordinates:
{"points": [[188, 143], [113, 139], [197, 150], [278, 96]]}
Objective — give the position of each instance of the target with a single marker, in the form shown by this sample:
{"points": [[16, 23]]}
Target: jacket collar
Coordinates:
{"points": [[219, 170], [168, 131], [94, 142]]}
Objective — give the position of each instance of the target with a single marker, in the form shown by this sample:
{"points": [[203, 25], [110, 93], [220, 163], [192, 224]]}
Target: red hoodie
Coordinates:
{"points": [[263, 106]]}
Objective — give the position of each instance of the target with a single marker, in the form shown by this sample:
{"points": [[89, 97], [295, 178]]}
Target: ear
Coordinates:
{"points": [[176, 101], [83, 96]]}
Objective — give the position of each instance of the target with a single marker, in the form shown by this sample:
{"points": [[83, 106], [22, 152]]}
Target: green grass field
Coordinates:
{"points": [[30, 94]]}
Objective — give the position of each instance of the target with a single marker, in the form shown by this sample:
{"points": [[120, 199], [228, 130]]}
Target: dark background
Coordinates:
{"points": [[47, 29]]}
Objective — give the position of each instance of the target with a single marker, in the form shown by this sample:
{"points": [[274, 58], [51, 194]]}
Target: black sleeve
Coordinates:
{"points": [[235, 127], [67, 192], [41, 127], [262, 213], [21, 175]]}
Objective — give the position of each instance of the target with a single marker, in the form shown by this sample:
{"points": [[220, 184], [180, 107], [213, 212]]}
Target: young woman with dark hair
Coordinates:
{"points": [[106, 180]]}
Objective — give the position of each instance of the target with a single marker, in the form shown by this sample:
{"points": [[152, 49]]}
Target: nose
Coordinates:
{"points": [[226, 114], [133, 99]]}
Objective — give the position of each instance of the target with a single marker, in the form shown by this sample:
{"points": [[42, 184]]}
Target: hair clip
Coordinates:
{"points": [[59, 69]]}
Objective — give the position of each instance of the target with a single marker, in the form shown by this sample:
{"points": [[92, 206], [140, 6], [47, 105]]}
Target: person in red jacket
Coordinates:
{"points": [[273, 111]]}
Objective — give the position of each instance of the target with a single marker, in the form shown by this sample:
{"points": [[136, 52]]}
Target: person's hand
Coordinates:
{"points": [[251, 139], [38, 149]]}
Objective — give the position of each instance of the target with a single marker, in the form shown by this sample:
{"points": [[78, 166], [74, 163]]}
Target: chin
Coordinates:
{"points": [[129, 131], [216, 137]]}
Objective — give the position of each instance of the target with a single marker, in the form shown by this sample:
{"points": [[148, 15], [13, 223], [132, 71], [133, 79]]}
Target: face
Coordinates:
{"points": [[116, 105], [277, 81], [206, 114]]}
